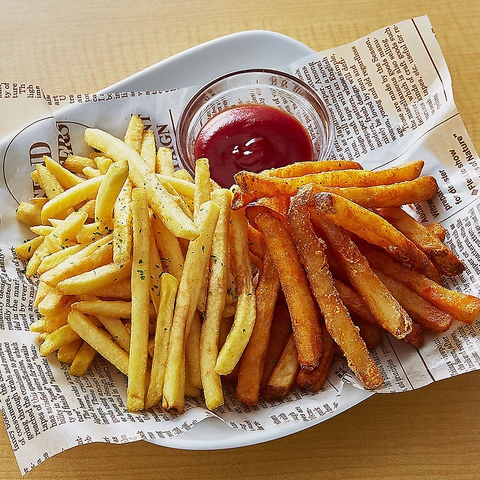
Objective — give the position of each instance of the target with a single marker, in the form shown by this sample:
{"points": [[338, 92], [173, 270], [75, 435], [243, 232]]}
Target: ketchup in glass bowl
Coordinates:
{"points": [[253, 120]]}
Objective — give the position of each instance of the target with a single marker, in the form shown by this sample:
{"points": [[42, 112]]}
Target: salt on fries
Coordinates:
{"points": [[186, 287]]}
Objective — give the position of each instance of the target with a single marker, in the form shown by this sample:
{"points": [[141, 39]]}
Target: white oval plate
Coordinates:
{"points": [[197, 66]]}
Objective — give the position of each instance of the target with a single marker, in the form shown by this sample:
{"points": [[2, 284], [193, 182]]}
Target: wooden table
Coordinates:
{"points": [[73, 47]]}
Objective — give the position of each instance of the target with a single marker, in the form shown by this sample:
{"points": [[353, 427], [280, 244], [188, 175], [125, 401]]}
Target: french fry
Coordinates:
{"points": [[164, 162], [284, 375], [82, 327], [168, 291], [60, 204], [29, 213], [255, 185], [196, 258], [245, 312], [461, 306], [66, 178], [375, 230], [252, 362], [54, 340], [134, 134], [314, 380], [47, 181], [311, 250], [300, 169], [76, 163], [108, 192], [27, 249], [122, 225], [441, 256], [140, 280], [385, 308], [117, 330], [94, 280], [162, 202], [83, 360], [193, 376], [148, 150], [215, 302], [66, 353], [303, 311]]}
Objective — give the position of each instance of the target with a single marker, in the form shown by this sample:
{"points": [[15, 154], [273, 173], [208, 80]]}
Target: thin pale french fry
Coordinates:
{"points": [[122, 225], [215, 303], [164, 162], [196, 258], [61, 203], [156, 271], [134, 134], [54, 259], [245, 311], [84, 328], [250, 371], [76, 163], [108, 192], [103, 163], [91, 256], [160, 200], [27, 249], [48, 182], [65, 177], [168, 292], [139, 327], [303, 311], [148, 150]]}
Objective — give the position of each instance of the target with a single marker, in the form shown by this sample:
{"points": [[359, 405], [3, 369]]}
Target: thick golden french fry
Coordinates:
{"points": [[134, 134], [86, 190], [83, 360], [198, 254], [148, 150], [140, 280], [117, 330], [436, 229], [299, 169], [314, 380], [66, 178], [171, 253], [441, 256], [108, 192], [84, 328], [66, 230], [156, 271], [420, 310], [103, 163], [311, 250], [215, 302], [375, 230], [53, 301], [168, 292], [255, 185], [250, 371], [353, 301], [385, 308], [245, 312], [106, 308], [283, 376], [301, 305], [94, 280], [160, 200], [91, 256], [280, 330], [27, 249], [164, 162], [463, 307], [54, 340]]}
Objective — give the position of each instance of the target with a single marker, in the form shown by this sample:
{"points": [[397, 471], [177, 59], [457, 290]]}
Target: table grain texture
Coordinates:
{"points": [[86, 45]]}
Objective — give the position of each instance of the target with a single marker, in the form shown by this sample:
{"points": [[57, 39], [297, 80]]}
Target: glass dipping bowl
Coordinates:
{"points": [[255, 86]]}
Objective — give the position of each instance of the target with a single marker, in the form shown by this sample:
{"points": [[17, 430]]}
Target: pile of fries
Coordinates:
{"points": [[186, 287]]}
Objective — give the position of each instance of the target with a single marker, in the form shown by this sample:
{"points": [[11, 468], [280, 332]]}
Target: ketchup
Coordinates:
{"points": [[251, 137]]}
